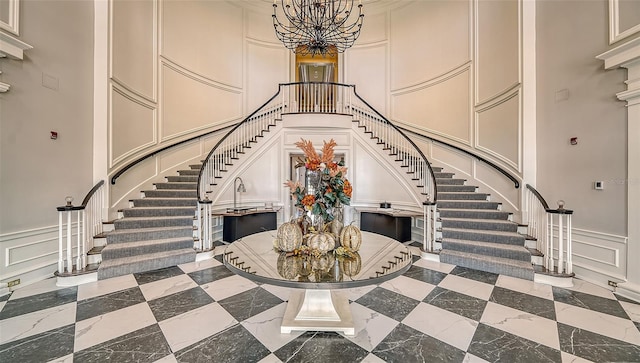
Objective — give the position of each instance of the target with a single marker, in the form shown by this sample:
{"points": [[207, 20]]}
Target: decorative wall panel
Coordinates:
{"points": [[442, 107], [374, 29], [259, 28], [428, 38], [133, 45], [190, 103], [368, 74], [498, 130], [131, 125], [266, 68], [205, 37], [498, 50]]}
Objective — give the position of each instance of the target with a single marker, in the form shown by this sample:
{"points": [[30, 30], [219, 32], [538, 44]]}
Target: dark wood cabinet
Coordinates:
{"points": [[396, 227], [237, 226]]}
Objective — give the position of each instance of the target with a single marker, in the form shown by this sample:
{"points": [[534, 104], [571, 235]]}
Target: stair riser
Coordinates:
{"points": [[164, 212], [183, 178], [145, 236], [494, 238], [112, 253], [164, 193], [443, 188], [487, 251], [454, 204], [445, 181], [188, 186], [495, 268], [474, 215], [481, 225], [462, 196], [152, 223], [165, 202], [155, 264]]}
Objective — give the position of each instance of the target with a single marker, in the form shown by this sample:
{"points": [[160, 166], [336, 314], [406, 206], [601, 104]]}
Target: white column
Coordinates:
{"points": [[627, 56]]}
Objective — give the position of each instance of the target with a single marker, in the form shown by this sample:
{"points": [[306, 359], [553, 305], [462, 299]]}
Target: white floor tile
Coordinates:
{"points": [[443, 325], [371, 327], [103, 287], [355, 293], [470, 358], [279, 291], [436, 266], [183, 330], [528, 326], [233, 285], [589, 288], [199, 265], [409, 287], [271, 358], [65, 359], [166, 287], [105, 327], [266, 328], [632, 309], [466, 286], [570, 358], [2, 304], [526, 287], [36, 288], [40, 321], [372, 358], [593, 321], [168, 359]]}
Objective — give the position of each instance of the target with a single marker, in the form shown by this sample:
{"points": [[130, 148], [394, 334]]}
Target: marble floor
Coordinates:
{"points": [[201, 312]]}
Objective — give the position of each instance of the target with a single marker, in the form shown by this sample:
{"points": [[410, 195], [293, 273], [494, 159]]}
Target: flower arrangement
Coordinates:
{"points": [[330, 187]]}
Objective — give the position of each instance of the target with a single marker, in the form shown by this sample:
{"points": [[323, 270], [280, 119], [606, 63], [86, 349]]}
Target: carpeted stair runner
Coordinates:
{"points": [[157, 231], [476, 234]]}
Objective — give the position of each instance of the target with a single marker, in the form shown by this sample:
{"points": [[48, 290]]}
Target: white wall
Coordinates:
{"points": [[51, 90]]}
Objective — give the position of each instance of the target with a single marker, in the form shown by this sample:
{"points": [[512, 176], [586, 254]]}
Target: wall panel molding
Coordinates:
{"points": [[169, 63], [602, 253], [615, 33], [11, 20], [457, 70], [38, 239]]}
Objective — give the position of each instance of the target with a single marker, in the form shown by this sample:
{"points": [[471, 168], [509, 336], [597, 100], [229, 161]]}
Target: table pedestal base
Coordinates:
{"points": [[318, 310]]}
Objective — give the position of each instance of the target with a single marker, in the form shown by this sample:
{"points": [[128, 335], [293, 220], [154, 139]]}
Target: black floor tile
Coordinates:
{"points": [[169, 306], [249, 303], [425, 275], [482, 276], [457, 303], [37, 302], [5, 297], [107, 303], [235, 344], [211, 274], [588, 301], [389, 303], [41, 347], [622, 298], [525, 302], [596, 347], [405, 344], [495, 345], [144, 345], [321, 347], [151, 276]]}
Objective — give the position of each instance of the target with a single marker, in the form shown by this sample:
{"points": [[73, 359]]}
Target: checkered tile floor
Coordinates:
{"points": [[201, 312]]}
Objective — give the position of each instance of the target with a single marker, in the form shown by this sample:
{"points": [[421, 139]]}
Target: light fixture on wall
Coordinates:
{"points": [[237, 189], [318, 26]]}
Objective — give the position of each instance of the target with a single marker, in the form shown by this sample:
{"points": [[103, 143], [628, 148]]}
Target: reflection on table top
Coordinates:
{"points": [[379, 259]]}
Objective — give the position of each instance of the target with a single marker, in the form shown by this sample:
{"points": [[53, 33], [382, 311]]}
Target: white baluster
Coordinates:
{"points": [[60, 245]]}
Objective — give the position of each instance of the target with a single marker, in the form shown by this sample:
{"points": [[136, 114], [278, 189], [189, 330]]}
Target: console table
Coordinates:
{"points": [[319, 307], [240, 224], [393, 224]]}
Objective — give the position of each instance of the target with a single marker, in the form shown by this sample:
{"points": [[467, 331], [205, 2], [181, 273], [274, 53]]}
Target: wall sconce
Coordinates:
{"points": [[237, 189]]}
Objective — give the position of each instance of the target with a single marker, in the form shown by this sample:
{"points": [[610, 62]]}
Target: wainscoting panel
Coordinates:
{"points": [[598, 256], [368, 74], [132, 124], [204, 37], [498, 47], [266, 67], [441, 107], [133, 45], [498, 130], [191, 103], [428, 38], [501, 188]]}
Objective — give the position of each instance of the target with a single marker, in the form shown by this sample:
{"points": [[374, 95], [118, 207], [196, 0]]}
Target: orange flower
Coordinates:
{"points": [[347, 188], [308, 200]]}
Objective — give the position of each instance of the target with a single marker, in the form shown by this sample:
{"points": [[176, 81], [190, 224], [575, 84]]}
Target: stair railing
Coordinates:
{"points": [[88, 224], [541, 220]]}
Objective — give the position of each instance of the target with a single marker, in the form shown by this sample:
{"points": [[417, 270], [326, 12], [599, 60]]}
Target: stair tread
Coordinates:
{"points": [[164, 198], [125, 245], [486, 244], [154, 218], [152, 229], [498, 260], [159, 207], [473, 210], [478, 220], [150, 256], [485, 232]]}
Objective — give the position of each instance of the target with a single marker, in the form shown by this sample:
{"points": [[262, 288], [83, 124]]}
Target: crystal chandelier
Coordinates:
{"points": [[317, 26]]}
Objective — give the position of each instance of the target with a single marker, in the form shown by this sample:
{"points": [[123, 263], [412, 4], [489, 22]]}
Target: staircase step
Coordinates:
{"points": [[154, 261], [449, 181], [189, 172], [158, 211], [171, 193], [153, 222], [519, 253], [182, 178], [510, 238], [436, 169], [503, 266], [482, 224], [165, 202], [462, 196], [195, 166], [443, 175], [143, 234], [136, 248], [444, 188], [177, 185], [467, 204], [472, 213]]}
